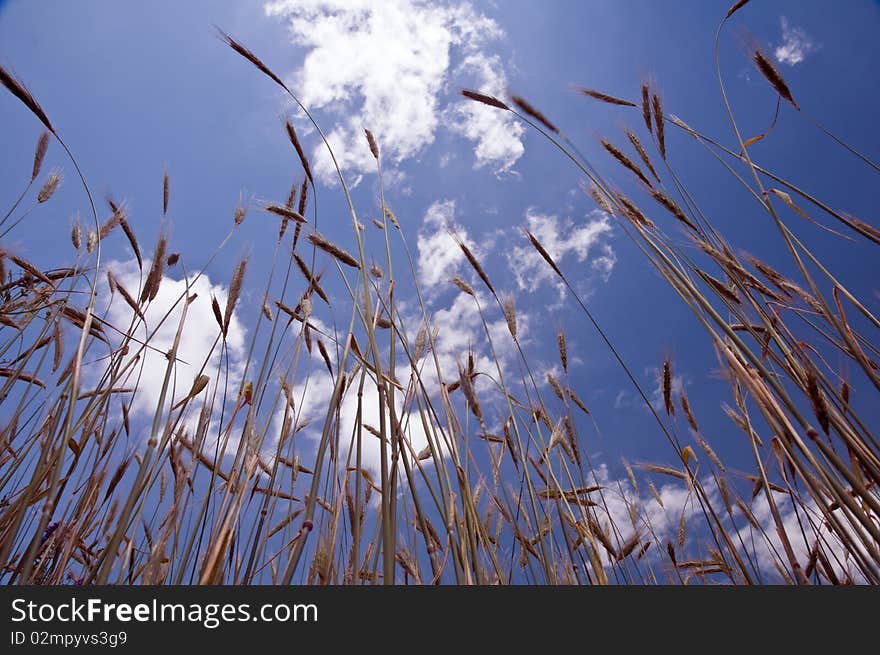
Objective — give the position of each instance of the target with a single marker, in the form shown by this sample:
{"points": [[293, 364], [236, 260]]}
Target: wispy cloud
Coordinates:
{"points": [[439, 254], [198, 339], [561, 238], [795, 45], [387, 65]]}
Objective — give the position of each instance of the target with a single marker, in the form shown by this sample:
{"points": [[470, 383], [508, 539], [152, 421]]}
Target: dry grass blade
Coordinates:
{"points": [[646, 107], [472, 260], [470, 394], [313, 281], [126, 296], [576, 400], [332, 249], [165, 192], [554, 384], [865, 228], [735, 8], [234, 293], [528, 109], [484, 99], [772, 75], [464, 286], [720, 288], [76, 235], [50, 186], [817, 400], [239, 214], [667, 387], [541, 251], [58, 345], [26, 266], [601, 200], [510, 314], [371, 141], [658, 124], [325, 356], [664, 470], [250, 56], [218, 315], [563, 349], [40, 154], [294, 139], [157, 267], [573, 496], [632, 212], [686, 408], [629, 546], [285, 212], [303, 196], [19, 90], [625, 161], [643, 154], [119, 214], [604, 97], [672, 207], [20, 375]]}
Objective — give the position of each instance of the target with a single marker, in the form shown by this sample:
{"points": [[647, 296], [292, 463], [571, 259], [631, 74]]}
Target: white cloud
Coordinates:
{"points": [[439, 254], [384, 65], [196, 345], [795, 46], [560, 238], [495, 132]]}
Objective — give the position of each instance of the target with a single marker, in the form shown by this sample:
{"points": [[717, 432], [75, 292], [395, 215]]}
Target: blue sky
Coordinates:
{"points": [[138, 87]]}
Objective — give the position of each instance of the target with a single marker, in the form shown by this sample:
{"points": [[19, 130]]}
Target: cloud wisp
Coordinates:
{"points": [[796, 45]]}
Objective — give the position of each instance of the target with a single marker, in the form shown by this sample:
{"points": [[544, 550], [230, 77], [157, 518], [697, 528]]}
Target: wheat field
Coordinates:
{"points": [[423, 471]]}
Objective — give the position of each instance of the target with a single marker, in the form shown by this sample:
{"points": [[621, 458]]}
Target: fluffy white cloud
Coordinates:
{"points": [[795, 46], [496, 134], [560, 238], [439, 253], [197, 339], [384, 65]]}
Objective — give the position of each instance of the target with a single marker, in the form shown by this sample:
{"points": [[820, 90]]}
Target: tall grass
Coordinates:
{"points": [[501, 488]]}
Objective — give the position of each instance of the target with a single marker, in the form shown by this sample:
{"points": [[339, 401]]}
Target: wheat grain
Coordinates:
{"points": [[772, 75], [332, 249], [528, 109], [371, 141], [50, 186], [40, 154], [484, 99], [658, 123], [604, 97]]}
